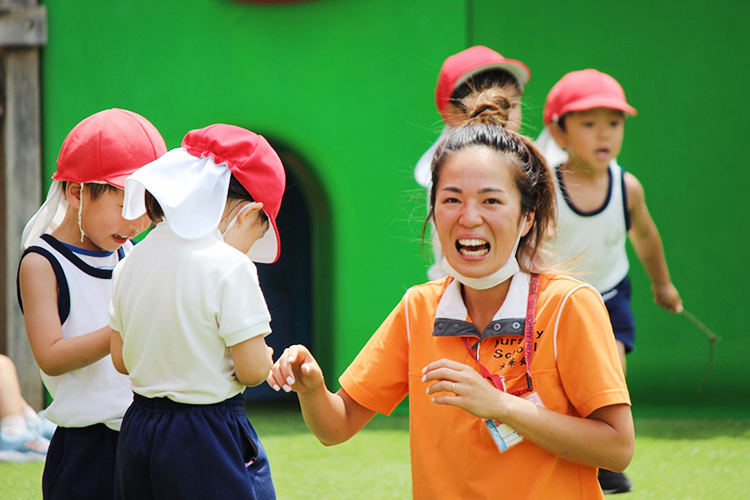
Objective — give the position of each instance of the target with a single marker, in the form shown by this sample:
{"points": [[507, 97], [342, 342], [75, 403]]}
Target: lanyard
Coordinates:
{"points": [[528, 344]]}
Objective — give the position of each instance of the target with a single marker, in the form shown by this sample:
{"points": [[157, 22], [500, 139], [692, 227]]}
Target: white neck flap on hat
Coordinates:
{"points": [[48, 217], [554, 154], [191, 191]]}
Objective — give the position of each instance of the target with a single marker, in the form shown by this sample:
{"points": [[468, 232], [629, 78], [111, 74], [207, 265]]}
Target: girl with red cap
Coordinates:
{"points": [[471, 71], [600, 205], [64, 287], [189, 320]]}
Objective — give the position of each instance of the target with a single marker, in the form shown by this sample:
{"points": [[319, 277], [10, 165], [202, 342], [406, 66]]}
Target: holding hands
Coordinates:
{"points": [[295, 370]]}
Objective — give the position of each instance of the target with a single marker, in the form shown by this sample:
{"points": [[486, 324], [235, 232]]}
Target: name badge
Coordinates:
{"points": [[504, 436]]}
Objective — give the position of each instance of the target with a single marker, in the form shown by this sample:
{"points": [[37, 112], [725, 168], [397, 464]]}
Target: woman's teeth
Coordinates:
{"points": [[473, 247]]}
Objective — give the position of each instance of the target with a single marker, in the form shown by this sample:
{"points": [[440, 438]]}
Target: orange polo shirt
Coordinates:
{"points": [[575, 370]]}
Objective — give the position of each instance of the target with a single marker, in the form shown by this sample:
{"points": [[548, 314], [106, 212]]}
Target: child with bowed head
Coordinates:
{"points": [[64, 287], [189, 320]]}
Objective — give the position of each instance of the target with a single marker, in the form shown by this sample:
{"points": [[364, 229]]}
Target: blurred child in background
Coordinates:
{"points": [[600, 206], [468, 72]]}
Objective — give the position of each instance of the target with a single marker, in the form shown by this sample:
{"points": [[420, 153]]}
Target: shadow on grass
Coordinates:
{"points": [[284, 418], [673, 422], [691, 428]]}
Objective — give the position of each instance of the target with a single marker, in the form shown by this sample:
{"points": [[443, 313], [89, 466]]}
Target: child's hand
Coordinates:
{"points": [[668, 298], [295, 370]]}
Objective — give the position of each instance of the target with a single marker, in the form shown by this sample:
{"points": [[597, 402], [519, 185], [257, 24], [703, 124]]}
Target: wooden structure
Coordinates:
{"points": [[23, 30]]}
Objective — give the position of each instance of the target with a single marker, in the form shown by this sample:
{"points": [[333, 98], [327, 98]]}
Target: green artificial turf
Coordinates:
{"points": [[685, 458]]}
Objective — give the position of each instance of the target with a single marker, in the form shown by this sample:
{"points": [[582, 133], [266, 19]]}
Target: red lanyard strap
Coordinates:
{"points": [[528, 344]]}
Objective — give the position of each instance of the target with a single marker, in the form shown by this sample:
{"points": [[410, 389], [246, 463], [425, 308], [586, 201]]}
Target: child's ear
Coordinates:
{"points": [[249, 214], [73, 192], [558, 134]]}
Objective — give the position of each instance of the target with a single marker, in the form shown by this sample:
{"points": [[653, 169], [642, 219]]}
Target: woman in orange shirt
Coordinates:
{"points": [[515, 388]]}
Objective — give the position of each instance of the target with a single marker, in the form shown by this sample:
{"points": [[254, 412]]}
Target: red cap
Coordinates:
{"points": [[107, 147], [255, 164], [583, 90], [460, 67]]}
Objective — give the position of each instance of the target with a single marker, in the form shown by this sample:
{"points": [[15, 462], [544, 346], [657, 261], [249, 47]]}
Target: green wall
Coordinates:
{"points": [[683, 67], [349, 87], [346, 84]]}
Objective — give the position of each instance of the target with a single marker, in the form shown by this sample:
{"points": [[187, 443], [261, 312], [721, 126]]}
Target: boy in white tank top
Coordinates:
{"points": [[70, 247], [600, 206]]}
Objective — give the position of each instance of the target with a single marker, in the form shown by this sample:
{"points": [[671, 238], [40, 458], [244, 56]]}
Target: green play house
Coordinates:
{"points": [[344, 90]]}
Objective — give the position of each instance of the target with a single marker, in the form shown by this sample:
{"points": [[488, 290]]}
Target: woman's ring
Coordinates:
{"points": [[453, 389]]}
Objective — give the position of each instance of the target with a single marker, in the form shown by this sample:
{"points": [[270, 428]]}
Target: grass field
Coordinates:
{"points": [[677, 458]]}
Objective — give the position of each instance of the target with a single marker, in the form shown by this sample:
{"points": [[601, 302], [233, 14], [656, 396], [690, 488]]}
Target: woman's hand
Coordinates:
{"points": [[469, 389], [295, 370], [333, 418]]}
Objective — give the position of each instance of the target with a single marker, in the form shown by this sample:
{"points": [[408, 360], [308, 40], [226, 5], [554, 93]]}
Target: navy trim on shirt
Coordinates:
{"points": [[105, 274], [83, 251], [628, 222], [566, 197], [63, 292]]}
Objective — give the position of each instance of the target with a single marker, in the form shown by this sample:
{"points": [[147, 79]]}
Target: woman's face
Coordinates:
{"points": [[478, 211]]}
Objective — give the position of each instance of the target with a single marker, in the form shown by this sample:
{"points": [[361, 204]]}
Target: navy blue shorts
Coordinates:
{"points": [[170, 450], [80, 464], [617, 301]]}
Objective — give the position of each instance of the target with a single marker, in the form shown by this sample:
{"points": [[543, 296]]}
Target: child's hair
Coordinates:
{"points": [[484, 80], [96, 189], [236, 193], [485, 116]]}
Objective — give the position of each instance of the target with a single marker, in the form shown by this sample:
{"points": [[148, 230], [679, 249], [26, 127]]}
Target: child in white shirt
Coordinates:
{"points": [[190, 320]]}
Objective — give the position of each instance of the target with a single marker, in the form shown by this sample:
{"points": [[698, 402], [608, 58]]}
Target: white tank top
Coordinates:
{"points": [[594, 241], [96, 393]]}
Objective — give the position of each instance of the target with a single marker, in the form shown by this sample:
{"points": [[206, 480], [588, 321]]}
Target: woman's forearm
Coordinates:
{"points": [[604, 439], [333, 418]]}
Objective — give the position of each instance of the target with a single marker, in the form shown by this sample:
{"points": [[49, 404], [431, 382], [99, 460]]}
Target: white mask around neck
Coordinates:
{"points": [[234, 219], [506, 271]]}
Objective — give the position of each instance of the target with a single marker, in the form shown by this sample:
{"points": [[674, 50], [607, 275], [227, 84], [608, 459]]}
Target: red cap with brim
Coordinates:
{"points": [[460, 67], [584, 90], [255, 164], [107, 147]]}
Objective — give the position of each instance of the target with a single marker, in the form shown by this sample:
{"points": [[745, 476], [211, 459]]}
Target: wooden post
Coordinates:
{"points": [[23, 29]]}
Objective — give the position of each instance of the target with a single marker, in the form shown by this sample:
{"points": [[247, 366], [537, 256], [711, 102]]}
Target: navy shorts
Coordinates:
{"points": [[80, 464], [170, 450], [617, 301]]}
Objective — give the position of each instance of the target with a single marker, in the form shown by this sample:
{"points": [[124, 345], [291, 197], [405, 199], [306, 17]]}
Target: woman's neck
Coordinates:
{"points": [[483, 304]]}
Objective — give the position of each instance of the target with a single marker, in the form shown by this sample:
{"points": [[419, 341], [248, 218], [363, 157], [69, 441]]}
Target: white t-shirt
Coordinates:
{"points": [[179, 306], [96, 393]]}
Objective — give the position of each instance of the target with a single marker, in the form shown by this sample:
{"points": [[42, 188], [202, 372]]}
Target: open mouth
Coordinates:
{"points": [[602, 153], [118, 238], [473, 247]]}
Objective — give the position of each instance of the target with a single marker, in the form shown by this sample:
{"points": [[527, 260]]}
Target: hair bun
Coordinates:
{"points": [[488, 106]]}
